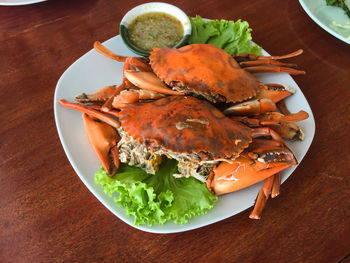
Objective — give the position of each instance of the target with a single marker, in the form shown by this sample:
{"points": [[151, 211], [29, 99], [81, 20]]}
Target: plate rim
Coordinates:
{"points": [[101, 197], [321, 24], [22, 2]]}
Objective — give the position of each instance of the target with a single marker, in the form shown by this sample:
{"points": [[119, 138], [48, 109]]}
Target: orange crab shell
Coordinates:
{"points": [[186, 125], [205, 69]]}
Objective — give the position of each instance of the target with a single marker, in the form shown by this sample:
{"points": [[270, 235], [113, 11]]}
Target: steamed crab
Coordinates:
{"points": [[158, 114]]}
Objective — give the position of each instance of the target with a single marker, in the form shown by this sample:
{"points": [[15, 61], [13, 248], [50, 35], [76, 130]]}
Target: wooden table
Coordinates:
{"points": [[48, 215]]}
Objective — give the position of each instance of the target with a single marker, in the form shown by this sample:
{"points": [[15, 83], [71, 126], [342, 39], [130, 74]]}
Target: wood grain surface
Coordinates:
{"points": [[48, 215]]}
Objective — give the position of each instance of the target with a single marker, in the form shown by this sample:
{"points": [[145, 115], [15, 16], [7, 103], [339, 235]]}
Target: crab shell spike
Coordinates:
{"points": [[204, 69], [182, 124], [241, 173], [103, 140]]}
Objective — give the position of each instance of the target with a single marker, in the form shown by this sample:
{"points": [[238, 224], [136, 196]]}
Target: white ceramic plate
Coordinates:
{"points": [[324, 16], [19, 2], [93, 71]]}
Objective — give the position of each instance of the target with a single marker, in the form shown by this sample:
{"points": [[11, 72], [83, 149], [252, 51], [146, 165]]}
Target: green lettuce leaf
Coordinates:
{"points": [[156, 199], [233, 37]]}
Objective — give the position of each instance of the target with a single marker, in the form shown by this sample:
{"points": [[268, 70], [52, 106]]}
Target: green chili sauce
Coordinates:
{"points": [[155, 29]]}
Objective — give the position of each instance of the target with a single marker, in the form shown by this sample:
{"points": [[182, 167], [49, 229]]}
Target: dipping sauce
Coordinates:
{"points": [[155, 29]]}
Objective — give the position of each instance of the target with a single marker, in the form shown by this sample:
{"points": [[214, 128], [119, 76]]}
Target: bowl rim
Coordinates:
{"points": [[123, 28]]}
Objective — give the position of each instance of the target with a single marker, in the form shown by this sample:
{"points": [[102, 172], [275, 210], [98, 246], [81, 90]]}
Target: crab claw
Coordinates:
{"points": [[284, 124], [251, 107], [263, 159], [100, 96], [103, 139], [274, 92], [149, 81], [248, 169]]}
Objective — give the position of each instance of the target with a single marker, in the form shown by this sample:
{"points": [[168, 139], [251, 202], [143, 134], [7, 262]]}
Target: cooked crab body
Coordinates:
{"points": [[204, 70], [182, 128]]}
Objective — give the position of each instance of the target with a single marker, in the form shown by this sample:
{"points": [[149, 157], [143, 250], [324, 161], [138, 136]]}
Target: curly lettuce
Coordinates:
{"points": [[156, 199], [233, 37]]}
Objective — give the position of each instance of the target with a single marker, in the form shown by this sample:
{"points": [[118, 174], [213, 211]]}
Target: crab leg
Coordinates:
{"points": [[99, 108], [144, 78], [275, 118], [106, 94], [103, 139], [101, 133], [278, 118], [138, 62], [274, 92], [107, 106], [262, 62], [283, 107], [256, 64], [92, 112], [251, 107], [243, 57], [265, 131], [271, 118], [262, 198], [261, 69], [285, 124], [276, 185], [107, 52], [131, 96]]}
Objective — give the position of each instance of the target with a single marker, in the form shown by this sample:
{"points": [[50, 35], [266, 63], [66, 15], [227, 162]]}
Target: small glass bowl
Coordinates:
{"points": [[154, 7]]}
